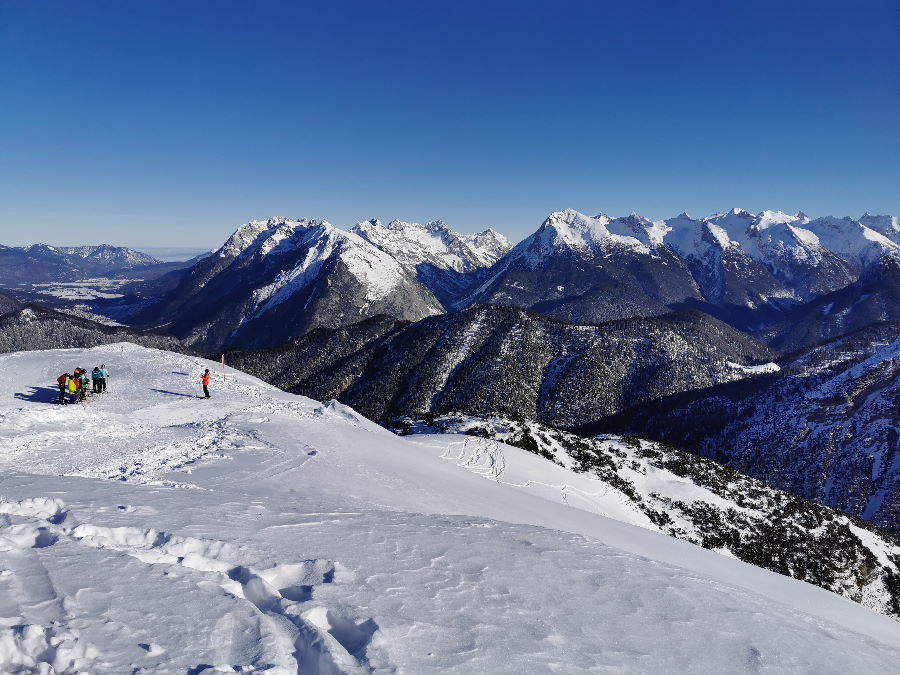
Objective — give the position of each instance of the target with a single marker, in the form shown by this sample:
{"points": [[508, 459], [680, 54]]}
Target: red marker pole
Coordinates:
{"points": [[223, 366]]}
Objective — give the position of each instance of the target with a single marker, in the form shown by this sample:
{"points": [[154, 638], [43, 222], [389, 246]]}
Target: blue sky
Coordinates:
{"points": [[170, 123]]}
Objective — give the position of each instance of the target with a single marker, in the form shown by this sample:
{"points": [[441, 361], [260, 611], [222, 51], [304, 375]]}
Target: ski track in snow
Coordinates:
{"points": [[307, 546]]}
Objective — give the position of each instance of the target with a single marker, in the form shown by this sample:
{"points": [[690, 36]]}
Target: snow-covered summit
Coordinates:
{"points": [[889, 226], [569, 231], [434, 243], [245, 235], [651, 233], [300, 537]]}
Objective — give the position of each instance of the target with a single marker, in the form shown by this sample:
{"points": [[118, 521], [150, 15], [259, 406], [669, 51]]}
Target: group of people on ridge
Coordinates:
{"points": [[73, 386]]}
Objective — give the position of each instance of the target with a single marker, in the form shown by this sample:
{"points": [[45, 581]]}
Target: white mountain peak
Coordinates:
{"points": [[580, 233]]}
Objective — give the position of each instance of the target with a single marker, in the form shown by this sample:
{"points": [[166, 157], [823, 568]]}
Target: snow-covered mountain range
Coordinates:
{"points": [[42, 263], [585, 269], [276, 279], [266, 532]]}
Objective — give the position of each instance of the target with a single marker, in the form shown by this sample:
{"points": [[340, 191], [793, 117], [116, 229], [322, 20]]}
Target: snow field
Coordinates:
{"points": [[315, 541]]}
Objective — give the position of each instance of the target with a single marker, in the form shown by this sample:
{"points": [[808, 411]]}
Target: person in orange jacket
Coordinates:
{"points": [[204, 380]]}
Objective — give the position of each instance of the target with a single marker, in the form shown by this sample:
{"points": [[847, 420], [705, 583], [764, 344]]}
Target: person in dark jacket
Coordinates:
{"points": [[96, 377]]}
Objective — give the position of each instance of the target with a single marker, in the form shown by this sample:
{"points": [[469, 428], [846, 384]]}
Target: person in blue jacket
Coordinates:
{"points": [[104, 376], [95, 380]]}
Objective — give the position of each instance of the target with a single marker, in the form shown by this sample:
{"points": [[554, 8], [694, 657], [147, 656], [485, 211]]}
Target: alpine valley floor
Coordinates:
{"points": [[149, 531]]}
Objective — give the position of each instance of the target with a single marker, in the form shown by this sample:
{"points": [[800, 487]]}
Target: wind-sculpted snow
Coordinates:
{"points": [[314, 541]]}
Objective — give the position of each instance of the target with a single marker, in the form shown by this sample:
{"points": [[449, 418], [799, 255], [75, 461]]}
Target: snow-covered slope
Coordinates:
{"points": [[688, 497], [889, 226], [265, 532], [435, 243]]}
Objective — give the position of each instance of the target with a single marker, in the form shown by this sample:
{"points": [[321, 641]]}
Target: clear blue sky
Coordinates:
{"points": [[169, 123]]}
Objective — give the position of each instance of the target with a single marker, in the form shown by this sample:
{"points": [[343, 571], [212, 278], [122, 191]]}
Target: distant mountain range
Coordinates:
{"points": [[278, 279], [43, 263]]}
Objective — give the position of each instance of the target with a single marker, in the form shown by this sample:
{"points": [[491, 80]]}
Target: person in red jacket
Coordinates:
{"points": [[63, 382], [204, 380]]}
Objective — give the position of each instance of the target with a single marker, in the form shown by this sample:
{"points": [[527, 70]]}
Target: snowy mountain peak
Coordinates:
{"points": [[434, 243], [767, 219], [889, 226], [569, 232], [650, 233]]}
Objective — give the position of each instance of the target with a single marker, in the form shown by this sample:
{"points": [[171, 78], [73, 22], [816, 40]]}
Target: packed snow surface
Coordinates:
{"points": [[150, 531]]}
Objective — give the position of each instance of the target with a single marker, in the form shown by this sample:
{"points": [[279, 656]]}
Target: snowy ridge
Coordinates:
{"points": [[771, 237], [654, 486], [413, 244], [314, 541], [104, 253], [318, 244], [576, 232]]}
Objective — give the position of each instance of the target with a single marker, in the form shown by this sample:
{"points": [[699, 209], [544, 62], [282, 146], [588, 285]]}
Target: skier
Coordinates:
{"points": [[73, 390], [96, 377], [204, 380], [84, 381], [63, 382], [104, 375]]}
